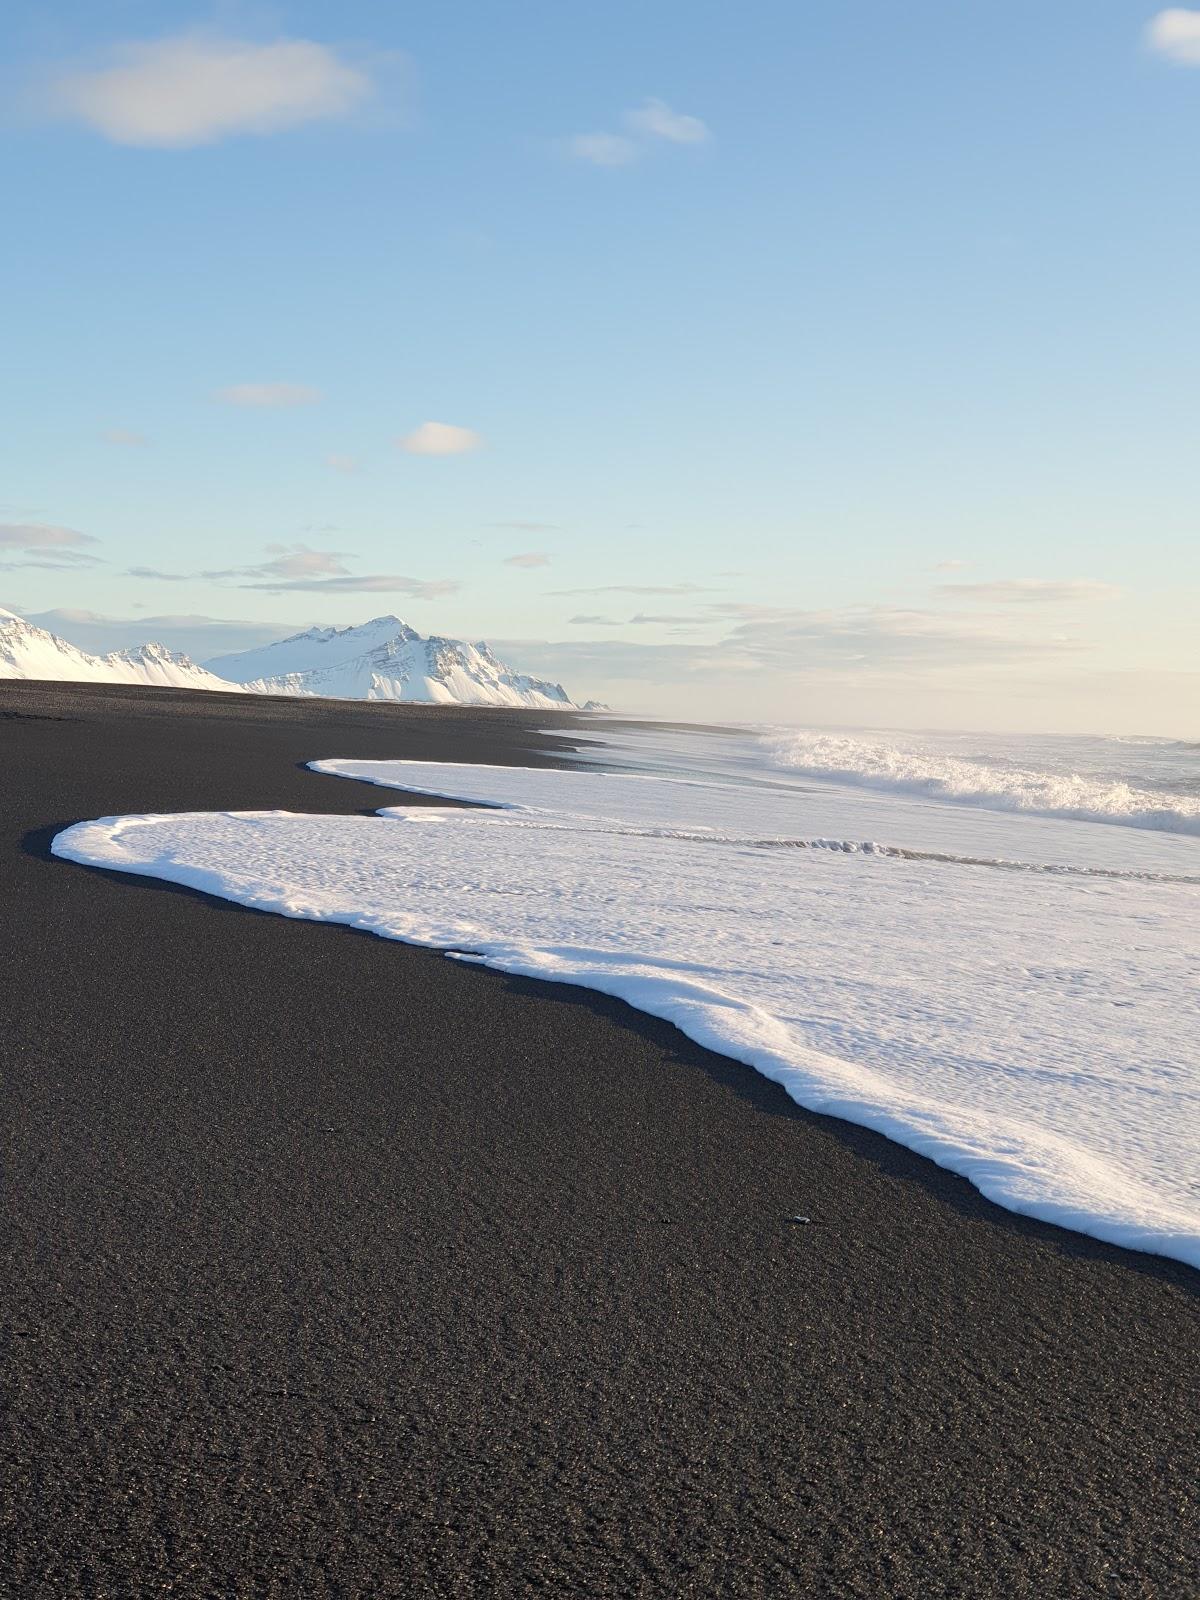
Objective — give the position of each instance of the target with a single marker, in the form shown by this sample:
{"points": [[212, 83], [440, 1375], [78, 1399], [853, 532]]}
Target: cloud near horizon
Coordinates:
{"points": [[297, 568], [1033, 591], [196, 89], [637, 588], [1175, 35], [529, 558]]}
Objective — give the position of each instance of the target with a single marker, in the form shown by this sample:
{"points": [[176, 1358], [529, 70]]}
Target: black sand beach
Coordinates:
{"points": [[334, 1268]]}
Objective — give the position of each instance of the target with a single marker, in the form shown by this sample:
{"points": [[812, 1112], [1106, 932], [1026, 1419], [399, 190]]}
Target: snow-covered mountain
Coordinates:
{"points": [[310, 651], [27, 651], [385, 659]]}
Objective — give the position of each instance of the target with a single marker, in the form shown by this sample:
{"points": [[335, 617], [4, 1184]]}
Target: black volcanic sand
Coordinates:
{"points": [[332, 1267]]}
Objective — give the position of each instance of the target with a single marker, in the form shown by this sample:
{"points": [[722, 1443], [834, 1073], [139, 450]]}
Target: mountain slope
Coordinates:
{"points": [[27, 651], [158, 667], [311, 651], [434, 671]]}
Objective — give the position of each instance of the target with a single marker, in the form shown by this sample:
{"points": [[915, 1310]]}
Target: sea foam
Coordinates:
{"points": [[1034, 1031]]}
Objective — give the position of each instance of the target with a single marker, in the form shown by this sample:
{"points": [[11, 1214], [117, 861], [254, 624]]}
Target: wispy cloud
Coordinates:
{"points": [[288, 561], [197, 89], [876, 645], [41, 536], [952, 566], [300, 569], [342, 463], [299, 561], [439, 439], [870, 638], [603, 149], [366, 583], [52, 563], [1033, 591], [637, 588], [124, 436], [45, 545], [654, 119], [665, 619], [268, 395], [1175, 34], [529, 558], [527, 527]]}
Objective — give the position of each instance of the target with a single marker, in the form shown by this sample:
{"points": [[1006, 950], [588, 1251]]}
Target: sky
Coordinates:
{"points": [[784, 362]]}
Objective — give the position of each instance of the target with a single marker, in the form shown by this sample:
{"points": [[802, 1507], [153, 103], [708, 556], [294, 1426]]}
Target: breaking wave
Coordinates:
{"points": [[923, 771]]}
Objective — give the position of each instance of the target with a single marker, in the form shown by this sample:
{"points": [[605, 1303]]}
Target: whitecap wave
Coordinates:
{"points": [[922, 771]]}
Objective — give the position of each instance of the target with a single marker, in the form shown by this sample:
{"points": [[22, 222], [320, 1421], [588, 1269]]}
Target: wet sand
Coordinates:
{"points": [[334, 1268]]}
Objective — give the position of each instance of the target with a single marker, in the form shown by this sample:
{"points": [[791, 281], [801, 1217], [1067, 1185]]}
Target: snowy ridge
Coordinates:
{"points": [[311, 651], [400, 665], [30, 652]]}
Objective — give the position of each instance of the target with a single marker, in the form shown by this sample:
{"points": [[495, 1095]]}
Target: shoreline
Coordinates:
{"points": [[487, 1289]]}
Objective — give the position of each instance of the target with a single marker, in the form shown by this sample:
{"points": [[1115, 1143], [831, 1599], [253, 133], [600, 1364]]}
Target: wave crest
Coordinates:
{"points": [[933, 775]]}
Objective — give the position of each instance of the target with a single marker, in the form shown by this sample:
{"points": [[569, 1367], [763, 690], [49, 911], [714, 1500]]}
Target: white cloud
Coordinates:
{"points": [[654, 119], [1033, 591], [298, 568], [342, 463], [197, 89], [268, 394], [124, 436], [439, 439], [299, 561], [529, 558], [41, 536], [603, 149], [1175, 34]]}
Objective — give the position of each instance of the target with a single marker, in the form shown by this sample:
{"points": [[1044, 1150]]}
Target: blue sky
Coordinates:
{"points": [[830, 362]]}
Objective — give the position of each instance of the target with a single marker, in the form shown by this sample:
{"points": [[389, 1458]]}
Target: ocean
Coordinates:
{"points": [[985, 947]]}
